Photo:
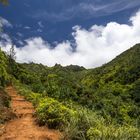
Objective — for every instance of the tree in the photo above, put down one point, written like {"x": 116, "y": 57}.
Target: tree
{"x": 136, "y": 91}
{"x": 12, "y": 54}
{"x": 11, "y": 59}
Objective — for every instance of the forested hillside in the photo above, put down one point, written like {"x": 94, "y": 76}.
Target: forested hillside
{"x": 91, "y": 104}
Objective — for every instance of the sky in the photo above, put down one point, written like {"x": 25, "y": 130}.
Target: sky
{"x": 87, "y": 33}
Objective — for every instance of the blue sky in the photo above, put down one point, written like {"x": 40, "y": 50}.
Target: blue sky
{"x": 52, "y": 22}
{"x": 53, "y": 19}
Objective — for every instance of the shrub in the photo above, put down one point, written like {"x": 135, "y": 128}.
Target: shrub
{"x": 52, "y": 113}
{"x": 112, "y": 132}
{"x": 29, "y": 95}
{"x": 35, "y": 98}
{"x": 37, "y": 87}
{"x": 5, "y": 111}
{"x": 80, "y": 123}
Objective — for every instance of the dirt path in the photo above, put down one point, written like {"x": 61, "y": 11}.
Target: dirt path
{"x": 24, "y": 127}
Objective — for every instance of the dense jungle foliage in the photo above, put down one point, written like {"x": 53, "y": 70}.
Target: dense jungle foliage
{"x": 86, "y": 104}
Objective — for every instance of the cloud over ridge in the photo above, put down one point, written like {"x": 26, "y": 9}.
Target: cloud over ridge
{"x": 94, "y": 47}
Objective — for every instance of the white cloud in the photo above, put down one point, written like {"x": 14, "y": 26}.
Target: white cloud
{"x": 27, "y": 27}
{"x": 40, "y": 24}
{"x": 39, "y": 30}
{"x": 4, "y": 38}
{"x": 19, "y": 34}
{"x": 94, "y": 47}
{"x": 4, "y": 22}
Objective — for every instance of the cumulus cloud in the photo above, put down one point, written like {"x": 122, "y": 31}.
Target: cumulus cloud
{"x": 93, "y": 47}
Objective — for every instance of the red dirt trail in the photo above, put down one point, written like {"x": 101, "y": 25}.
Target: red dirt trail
{"x": 24, "y": 126}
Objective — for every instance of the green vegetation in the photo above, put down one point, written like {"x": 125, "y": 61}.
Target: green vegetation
{"x": 75, "y": 121}
{"x": 53, "y": 113}
{"x": 94, "y": 104}
{"x": 3, "y": 69}
{"x": 5, "y": 112}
